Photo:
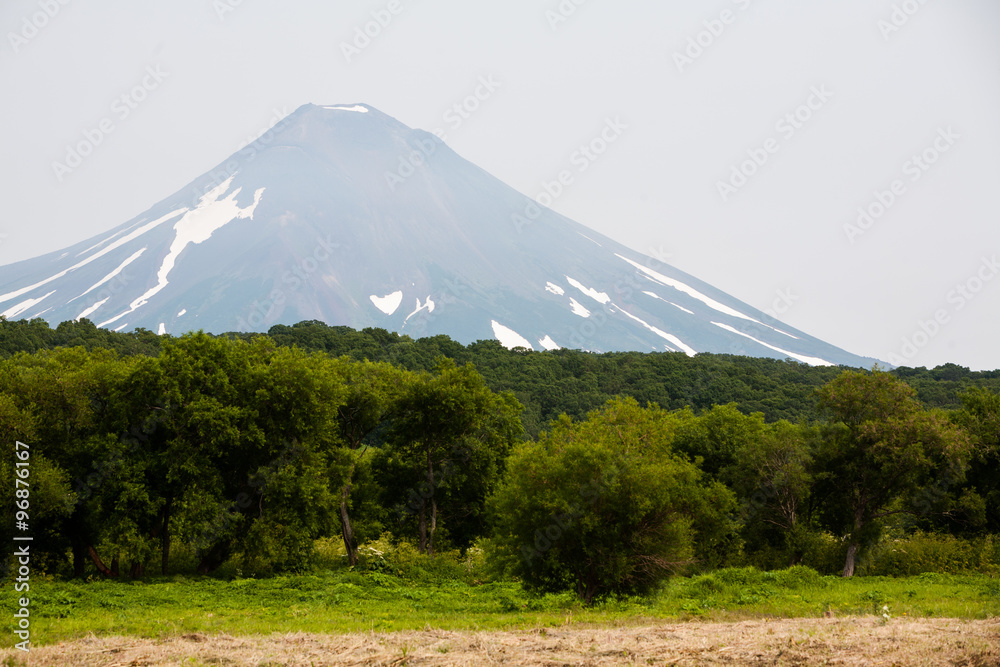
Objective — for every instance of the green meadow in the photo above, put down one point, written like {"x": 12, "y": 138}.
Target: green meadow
{"x": 337, "y": 601}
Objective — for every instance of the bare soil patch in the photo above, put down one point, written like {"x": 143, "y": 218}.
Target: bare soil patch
{"x": 829, "y": 641}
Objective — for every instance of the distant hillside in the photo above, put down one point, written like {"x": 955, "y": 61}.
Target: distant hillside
{"x": 550, "y": 383}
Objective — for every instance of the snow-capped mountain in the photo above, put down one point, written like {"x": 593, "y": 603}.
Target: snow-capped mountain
{"x": 345, "y": 215}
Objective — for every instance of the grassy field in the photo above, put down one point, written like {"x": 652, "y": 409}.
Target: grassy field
{"x": 342, "y": 601}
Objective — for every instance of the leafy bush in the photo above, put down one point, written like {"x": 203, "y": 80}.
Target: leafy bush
{"x": 741, "y": 587}
{"x": 272, "y": 548}
{"x": 401, "y": 558}
{"x": 928, "y": 552}
{"x": 607, "y": 506}
{"x": 800, "y": 576}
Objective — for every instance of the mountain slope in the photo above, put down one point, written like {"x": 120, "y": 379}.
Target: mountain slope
{"x": 327, "y": 218}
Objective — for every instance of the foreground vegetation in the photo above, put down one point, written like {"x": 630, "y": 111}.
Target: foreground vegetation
{"x": 341, "y": 601}
{"x": 325, "y": 491}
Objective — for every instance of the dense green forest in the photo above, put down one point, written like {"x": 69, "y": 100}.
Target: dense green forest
{"x": 597, "y": 472}
{"x": 549, "y": 384}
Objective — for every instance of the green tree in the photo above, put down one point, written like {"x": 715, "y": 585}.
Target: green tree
{"x": 717, "y": 436}
{"x": 372, "y": 395}
{"x": 73, "y": 397}
{"x": 980, "y": 417}
{"x": 882, "y": 448}
{"x": 44, "y": 488}
{"x": 772, "y": 476}
{"x": 606, "y": 505}
{"x": 250, "y": 429}
{"x": 446, "y": 447}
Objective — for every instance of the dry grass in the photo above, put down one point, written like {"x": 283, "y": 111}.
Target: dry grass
{"x": 831, "y": 641}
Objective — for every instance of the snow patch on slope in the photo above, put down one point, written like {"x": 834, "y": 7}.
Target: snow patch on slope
{"x": 197, "y": 226}
{"x": 508, "y": 337}
{"x": 357, "y": 108}
{"x": 781, "y": 332}
{"x": 390, "y": 303}
{"x": 24, "y": 305}
{"x": 100, "y": 243}
{"x": 657, "y": 296}
{"x": 672, "y": 339}
{"x": 812, "y": 361}
{"x": 91, "y": 309}
{"x": 549, "y": 344}
{"x": 111, "y": 275}
{"x": 428, "y": 306}
{"x": 555, "y": 289}
{"x": 577, "y": 308}
{"x": 600, "y": 297}
{"x": 690, "y": 291}
{"x": 117, "y": 244}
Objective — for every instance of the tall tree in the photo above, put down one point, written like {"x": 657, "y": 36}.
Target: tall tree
{"x": 372, "y": 394}
{"x": 451, "y": 434}
{"x": 980, "y": 416}
{"x": 250, "y": 428}
{"x": 717, "y": 435}
{"x": 75, "y": 399}
{"x": 772, "y": 476}
{"x": 882, "y": 447}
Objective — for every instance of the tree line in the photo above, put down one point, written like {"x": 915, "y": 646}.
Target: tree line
{"x": 549, "y": 384}
{"x": 248, "y": 448}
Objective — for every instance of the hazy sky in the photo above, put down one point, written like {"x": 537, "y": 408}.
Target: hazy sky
{"x": 754, "y": 131}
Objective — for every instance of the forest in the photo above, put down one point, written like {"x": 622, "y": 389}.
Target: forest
{"x": 597, "y": 473}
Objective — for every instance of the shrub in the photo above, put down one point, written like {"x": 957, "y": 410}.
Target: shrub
{"x": 929, "y": 552}
{"x": 606, "y": 506}
{"x": 401, "y": 558}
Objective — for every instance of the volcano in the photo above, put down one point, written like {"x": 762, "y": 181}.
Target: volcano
{"x": 343, "y": 214}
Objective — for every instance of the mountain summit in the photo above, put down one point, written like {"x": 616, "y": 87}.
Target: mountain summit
{"x": 345, "y": 215}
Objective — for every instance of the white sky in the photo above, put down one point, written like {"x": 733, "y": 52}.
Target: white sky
{"x": 655, "y": 189}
